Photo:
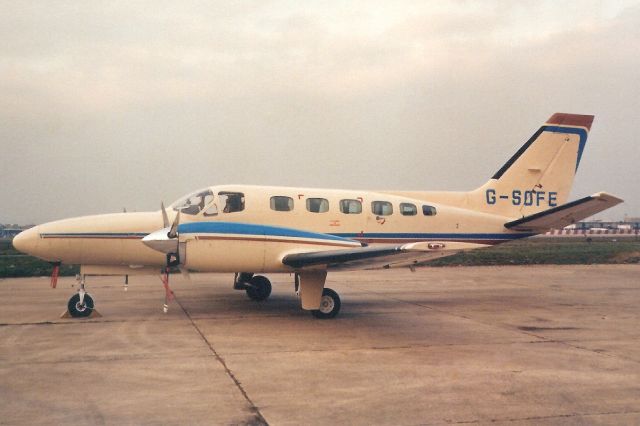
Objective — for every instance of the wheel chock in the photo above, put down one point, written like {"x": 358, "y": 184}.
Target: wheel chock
{"x": 94, "y": 314}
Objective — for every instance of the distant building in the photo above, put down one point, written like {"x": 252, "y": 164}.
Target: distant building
{"x": 598, "y": 227}
{"x": 601, "y": 225}
{"x": 10, "y": 231}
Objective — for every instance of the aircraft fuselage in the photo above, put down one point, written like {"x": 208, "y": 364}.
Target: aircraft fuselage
{"x": 362, "y": 216}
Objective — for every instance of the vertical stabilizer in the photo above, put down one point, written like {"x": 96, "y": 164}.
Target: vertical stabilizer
{"x": 540, "y": 174}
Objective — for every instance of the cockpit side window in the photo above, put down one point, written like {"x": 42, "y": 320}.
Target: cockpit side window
{"x": 212, "y": 210}
{"x": 232, "y": 201}
{"x": 194, "y": 203}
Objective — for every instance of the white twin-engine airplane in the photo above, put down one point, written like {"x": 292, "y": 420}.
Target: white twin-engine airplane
{"x": 307, "y": 231}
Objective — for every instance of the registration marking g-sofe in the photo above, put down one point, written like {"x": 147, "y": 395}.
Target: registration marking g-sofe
{"x": 519, "y": 197}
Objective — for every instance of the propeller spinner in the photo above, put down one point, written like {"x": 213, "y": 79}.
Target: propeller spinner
{"x": 164, "y": 240}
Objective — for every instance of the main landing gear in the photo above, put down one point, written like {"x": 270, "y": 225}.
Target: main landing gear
{"x": 257, "y": 287}
{"x": 329, "y": 305}
{"x": 324, "y": 303}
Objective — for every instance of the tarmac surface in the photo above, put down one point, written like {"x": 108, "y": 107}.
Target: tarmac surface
{"x": 478, "y": 345}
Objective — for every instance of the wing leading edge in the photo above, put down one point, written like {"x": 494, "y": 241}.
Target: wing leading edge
{"x": 566, "y": 214}
{"x": 376, "y": 257}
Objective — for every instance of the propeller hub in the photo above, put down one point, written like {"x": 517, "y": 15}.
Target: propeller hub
{"x": 160, "y": 241}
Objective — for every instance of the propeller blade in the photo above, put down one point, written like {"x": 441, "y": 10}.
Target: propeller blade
{"x": 173, "y": 232}
{"x": 165, "y": 218}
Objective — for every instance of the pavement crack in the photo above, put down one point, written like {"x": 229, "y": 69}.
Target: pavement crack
{"x": 259, "y": 418}
{"x": 549, "y": 417}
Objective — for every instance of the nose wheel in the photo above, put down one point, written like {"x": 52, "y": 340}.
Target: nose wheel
{"x": 80, "y": 308}
{"x": 80, "y": 305}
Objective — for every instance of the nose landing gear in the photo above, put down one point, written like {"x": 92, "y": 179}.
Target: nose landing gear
{"x": 81, "y": 304}
{"x": 80, "y": 307}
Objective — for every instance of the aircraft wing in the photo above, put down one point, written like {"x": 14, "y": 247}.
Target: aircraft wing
{"x": 566, "y": 214}
{"x": 384, "y": 256}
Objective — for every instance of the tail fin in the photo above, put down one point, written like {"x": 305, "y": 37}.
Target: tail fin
{"x": 540, "y": 175}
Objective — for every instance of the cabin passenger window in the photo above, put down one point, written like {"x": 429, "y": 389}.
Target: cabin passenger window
{"x": 408, "y": 209}
{"x": 381, "y": 208}
{"x": 317, "y": 205}
{"x": 281, "y": 204}
{"x": 429, "y": 210}
{"x": 350, "y": 206}
{"x": 232, "y": 201}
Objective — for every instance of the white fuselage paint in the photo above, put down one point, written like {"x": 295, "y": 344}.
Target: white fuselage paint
{"x": 115, "y": 239}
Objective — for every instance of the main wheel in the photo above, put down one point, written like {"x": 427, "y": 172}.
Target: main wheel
{"x": 258, "y": 288}
{"x": 329, "y": 305}
{"x": 78, "y": 310}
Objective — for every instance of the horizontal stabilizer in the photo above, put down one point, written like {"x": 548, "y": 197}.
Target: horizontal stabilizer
{"x": 566, "y": 214}
{"x": 376, "y": 257}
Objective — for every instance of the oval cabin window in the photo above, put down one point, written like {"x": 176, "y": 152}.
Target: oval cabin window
{"x": 429, "y": 210}
{"x": 408, "y": 209}
{"x": 317, "y": 205}
{"x": 381, "y": 208}
{"x": 281, "y": 204}
{"x": 350, "y": 206}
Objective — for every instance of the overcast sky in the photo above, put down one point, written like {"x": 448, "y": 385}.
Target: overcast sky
{"x": 105, "y": 105}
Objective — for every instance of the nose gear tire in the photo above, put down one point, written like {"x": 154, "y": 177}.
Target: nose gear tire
{"x": 77, "y": 310}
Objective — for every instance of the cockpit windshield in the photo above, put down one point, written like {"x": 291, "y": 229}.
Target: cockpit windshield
{"x": 194, "y": 203}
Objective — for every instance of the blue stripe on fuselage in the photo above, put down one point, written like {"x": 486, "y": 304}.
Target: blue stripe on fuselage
{"x": 253, "y": 229}
{"x": 436, "y": 236}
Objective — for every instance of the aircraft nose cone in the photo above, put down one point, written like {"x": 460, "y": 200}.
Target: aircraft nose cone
{"x": 26, "y": 241}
